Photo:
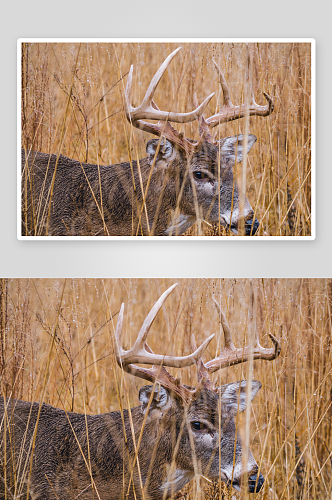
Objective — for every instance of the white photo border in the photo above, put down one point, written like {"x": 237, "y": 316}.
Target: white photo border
{"x": 312, "y": 41}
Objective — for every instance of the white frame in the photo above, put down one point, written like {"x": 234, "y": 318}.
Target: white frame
{"x": 312, "y": 41}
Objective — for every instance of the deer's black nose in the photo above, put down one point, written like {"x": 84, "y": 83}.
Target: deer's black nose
{"x": 255, "y": 484}
{"x": 251, "y": 227}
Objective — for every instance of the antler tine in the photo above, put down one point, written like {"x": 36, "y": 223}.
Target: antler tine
{"x": 224, "y": 86}
{"x": 157, "y": 77}
{"x": 232, "y": 356}
{"x": 225, "y": 326}
{"x": 118, "y": 333}
{"x": 128, "y": 91}
{"x": 143, "y": 333}
{"x": 202, "y": 372}
{"x": 270, "y": 103}
{"x": 151, "y": 88}
{"x": 204, "y": 130}
{"x": 277, "y": 346}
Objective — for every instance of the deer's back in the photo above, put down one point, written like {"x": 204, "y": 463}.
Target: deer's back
{"x": 61, "y": 451}
{"x": 86, "y": 199}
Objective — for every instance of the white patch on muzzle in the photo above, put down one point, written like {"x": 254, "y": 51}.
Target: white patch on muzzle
{"x": 234, "y": 217}
{"x": 180, "y": 225}
{"x": 239, "y": 470}
{"x": 177, "y": 480}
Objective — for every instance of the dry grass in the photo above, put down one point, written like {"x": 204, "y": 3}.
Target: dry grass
{"x": 278, "y": 177}
{"x": 290, "y": 427}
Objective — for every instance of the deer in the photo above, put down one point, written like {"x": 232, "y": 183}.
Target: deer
{"x": 147, "y": 452}
{"x": 181, "y": 181}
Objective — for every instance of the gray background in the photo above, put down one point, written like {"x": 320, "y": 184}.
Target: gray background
{"x": 174, "y": 18}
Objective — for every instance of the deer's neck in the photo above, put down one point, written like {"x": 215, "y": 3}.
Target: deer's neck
{"x": 139, "y": 199}
{"x": 164, "y": 201}
{"x": 161, "y": 475}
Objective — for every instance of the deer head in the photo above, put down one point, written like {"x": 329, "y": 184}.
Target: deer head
{"x": 203, "y": 169}
{"x": 203, "y": 418}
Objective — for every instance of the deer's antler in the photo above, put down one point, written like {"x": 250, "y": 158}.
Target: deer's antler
{"x": 149, "y": 110}
{"x": 141, "y": 353}
{"x": 232, "y": 356}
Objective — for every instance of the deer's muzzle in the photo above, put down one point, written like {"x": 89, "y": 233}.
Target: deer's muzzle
{"x": 255, "y": 484}
{"x": 251, "y": 225}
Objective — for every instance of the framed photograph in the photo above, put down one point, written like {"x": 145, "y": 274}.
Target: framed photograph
{"x": 165, "y": 388}
{"x": 149, "y": 138}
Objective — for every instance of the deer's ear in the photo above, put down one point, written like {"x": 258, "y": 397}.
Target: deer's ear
{"x": 231, "y": 148}
{"x": 165, "y": 153}
{"x": 161, "y": 399}
{"x": 234, "y": 395}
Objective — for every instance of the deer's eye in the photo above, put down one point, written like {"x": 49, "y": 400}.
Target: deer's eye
{"x": 198, "y": 426}
{"x": 199, "y": 175}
